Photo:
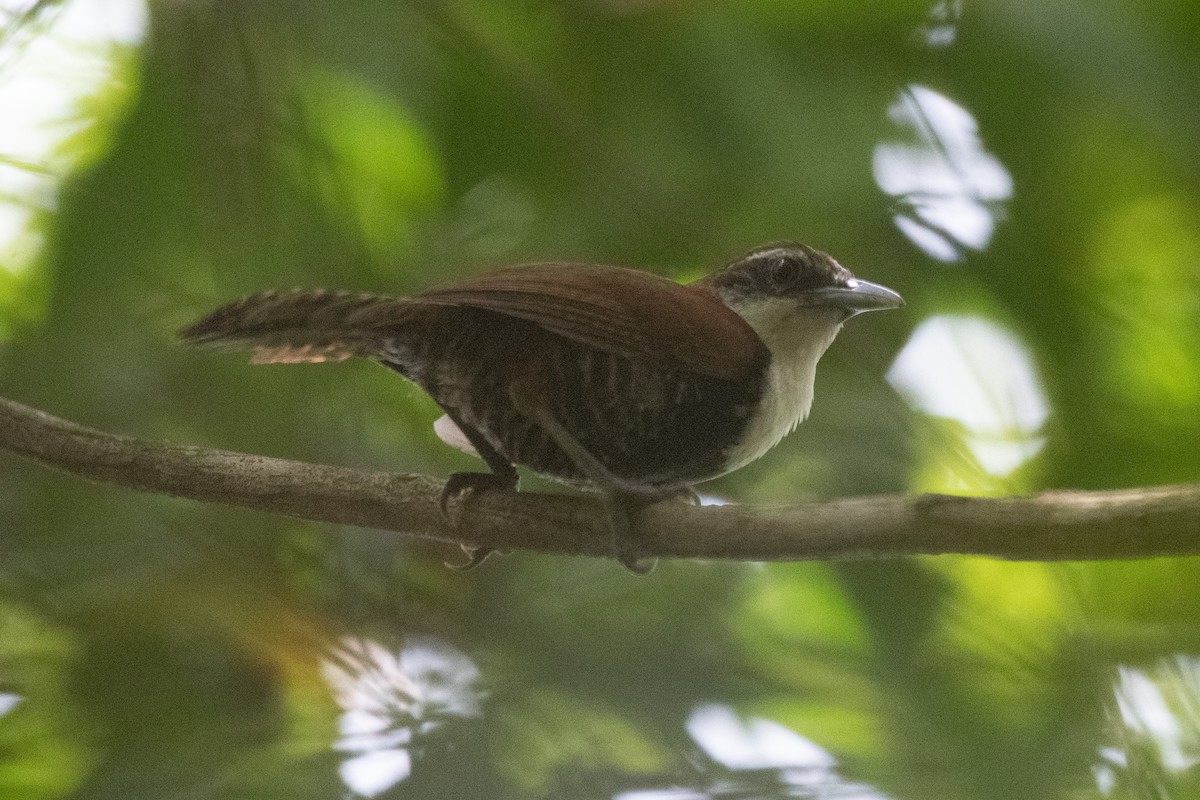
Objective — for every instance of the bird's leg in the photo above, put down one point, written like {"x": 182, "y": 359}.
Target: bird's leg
{"x": 503, "y": 476}
{"x": 622, "y": 500}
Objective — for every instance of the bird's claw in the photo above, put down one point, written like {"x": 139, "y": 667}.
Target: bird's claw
{"x": 626, "y": 544}
{"x": 687, "y": 494}
{"x": 460, "y": 482}
{"x": 475, "y": 557}
{"x": 635, "y": 563}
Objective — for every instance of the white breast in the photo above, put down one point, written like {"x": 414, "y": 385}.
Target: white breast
{"x": 797, "y": 338}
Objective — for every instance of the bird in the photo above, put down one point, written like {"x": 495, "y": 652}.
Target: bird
{"x": 605, "y": 378}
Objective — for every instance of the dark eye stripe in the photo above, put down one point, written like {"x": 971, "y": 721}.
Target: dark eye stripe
{"x": 786, "y": 272}
{"x": 781, "y": 269}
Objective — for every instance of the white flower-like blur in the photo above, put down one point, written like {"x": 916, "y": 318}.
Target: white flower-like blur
{"x": 760, "y": 758}
{"x": 949, "y": 191}
{"x": 941, "y": 24}
{"x": 391, "y": 701}
{"x": 1154, "y": 726}
{"x": 47, "y": 69}
{"x": 978, "y": 373}
{"x": 8, "y": 702}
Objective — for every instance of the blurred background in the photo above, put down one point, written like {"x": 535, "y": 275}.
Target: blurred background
{"x": 1027, "y": 175}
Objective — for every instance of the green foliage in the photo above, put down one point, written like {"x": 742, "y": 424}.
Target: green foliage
{"x": 161, "y": 648}
{"x": 44, "y": 755}
{"x": 368, "y": 161}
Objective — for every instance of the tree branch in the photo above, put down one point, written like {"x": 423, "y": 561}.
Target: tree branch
{"x": 1131, "y": 523}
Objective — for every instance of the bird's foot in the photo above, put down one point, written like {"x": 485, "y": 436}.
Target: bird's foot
{"x": 627, "y": 545}
{"x": 460, "y": 482}
{"x": 475, "y": 557}
{"x": 635, "y": 563}
{"x": 457, "y": 484}
{"x": 685, "y": 494}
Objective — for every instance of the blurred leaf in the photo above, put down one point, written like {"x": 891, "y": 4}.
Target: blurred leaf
{"x": 370, "y": 160}
{"x": 44, "y": 753}
{"x": 539, "y": 734}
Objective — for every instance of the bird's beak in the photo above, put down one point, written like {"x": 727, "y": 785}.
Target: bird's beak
{"x": 857, "y": 296}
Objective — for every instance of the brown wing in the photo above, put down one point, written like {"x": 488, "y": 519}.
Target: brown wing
{"x": 620, "y": 311}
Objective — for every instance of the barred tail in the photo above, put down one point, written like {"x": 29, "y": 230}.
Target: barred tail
{"x": 302, "y": 326}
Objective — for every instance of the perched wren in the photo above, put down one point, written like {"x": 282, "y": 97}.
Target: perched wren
{"x": 603, "y": 377}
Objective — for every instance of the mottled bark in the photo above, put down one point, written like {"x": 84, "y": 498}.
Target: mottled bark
{"x": 1129, "y": 523}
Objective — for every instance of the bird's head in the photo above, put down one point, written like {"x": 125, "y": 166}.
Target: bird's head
{"x": 801, "y": 277}
{"x": 795, "y": 297}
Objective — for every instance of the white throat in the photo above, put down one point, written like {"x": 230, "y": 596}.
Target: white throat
{"x": 797, "y": 337}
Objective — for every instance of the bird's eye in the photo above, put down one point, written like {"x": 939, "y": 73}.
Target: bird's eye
{"x": 784, "y": 273}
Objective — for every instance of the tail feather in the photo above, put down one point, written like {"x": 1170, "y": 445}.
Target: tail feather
{"x": 302, "y": 326}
